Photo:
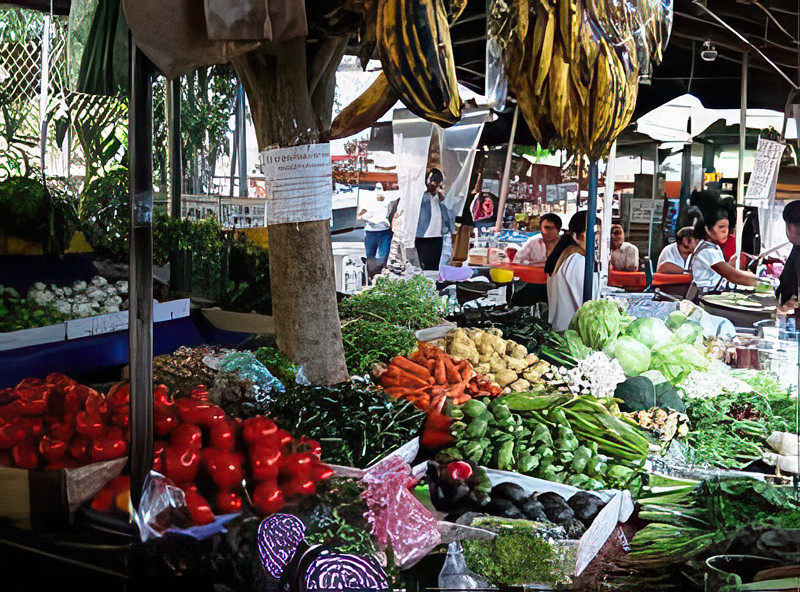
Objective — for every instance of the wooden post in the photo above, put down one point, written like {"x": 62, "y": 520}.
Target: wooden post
{"x": 174, "y": 145}
{"x": 140, "y": 313}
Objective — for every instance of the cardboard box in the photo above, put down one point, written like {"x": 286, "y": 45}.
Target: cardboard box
{"x": 48, "y": 499}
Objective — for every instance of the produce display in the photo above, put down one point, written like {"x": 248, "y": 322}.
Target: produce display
{"x": 429, "y": 377}
{"x": 506, "y": 363}
{"x": 56, "y": 423}
{"x": 367, "y": 343}
{"x": 412, "y": 303}
{"x": 357, "y": 423}
{"x": 44, "y": 305}
{"x": 185, "y": 368}
{"x": 662, "y": 424}
{"x": 561, "y": 438}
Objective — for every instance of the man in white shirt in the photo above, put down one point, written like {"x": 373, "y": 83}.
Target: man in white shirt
{"x": 624, "y": 255}
{"x": 674, "y": 257}
{"x": 535, "y": 251}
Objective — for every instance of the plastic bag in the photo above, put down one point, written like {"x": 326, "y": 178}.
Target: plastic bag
{"x": 162, "y": 506}
{"x": 455, "y": 574}
{"x": 396, "y": 516}
{"x": 244, "y": 387}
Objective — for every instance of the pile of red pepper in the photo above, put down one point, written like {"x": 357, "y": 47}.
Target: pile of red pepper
{"x": 197, "y": 440}
{"x": 56, "y": 423}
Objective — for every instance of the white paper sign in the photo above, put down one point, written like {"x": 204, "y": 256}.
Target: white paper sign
{"x": 618, "y": 510}
{"x": 299, "y": 183}
{"x": 765, "y": 169}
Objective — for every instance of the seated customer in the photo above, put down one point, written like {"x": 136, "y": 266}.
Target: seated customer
{"x": 624, "y": 256}
{"x": 674, "y": 257}
{"x": 536, "y": 250}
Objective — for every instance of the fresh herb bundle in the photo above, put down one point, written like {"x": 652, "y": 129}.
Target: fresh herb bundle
{"x": 18, "y": 313}
{"x": 412, "y": 303}
{"x": 356, "y": 423}
{"x": 335, "y": 517}
{"x": 730, "y": 430}
{"x": 367, "y": 342}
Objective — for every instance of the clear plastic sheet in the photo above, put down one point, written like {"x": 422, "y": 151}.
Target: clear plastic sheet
{"x": 496, "y": 83}
{"x": 244, "y": 386}
{"x": 455, "y": 574}
{"x": 163, "y": 505}
{"x": 396, "y": 516}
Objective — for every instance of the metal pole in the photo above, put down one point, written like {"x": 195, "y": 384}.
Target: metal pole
{"x": 591, "y": 220}
{"x": 653, "y": 194}
{"x": 242, "y": 148}
{"x": 140, "y": 314}
{"x": 608, "y": 205}
{"x": 501, "y": 205}
{"x": 742, "y": 142}
{"x": 174, "y": 144}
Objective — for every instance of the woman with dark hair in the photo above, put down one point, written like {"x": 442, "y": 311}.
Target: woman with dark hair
{"x": 710, "y": 271}
{"x": 565, "y": 267}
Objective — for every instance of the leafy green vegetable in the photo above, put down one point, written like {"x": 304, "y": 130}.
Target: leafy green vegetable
{"x": 523, "y": 553}
{"x": 675, "y": 320}
{"x": 676, "y": 361}
{"x": 576, "y": 347}
{"x": 640, "y": 394}
{"x": 17, "y": 313}
{"x": 367, "y": 342}
{"x": 690, "y": 332}
{"x": 633, "y": 356}
{"x": 598, "y": 322}
{"x": 412, "y": 303}
{"x": 650, "y": 331}
{"x": 730, "y": 430}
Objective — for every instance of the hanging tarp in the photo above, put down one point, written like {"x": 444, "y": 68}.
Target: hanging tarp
{"x": 174, "y": 35}
{"x": 255, "y": 20}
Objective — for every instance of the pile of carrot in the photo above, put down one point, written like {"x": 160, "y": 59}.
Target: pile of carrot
{"x": 429, "y": 376}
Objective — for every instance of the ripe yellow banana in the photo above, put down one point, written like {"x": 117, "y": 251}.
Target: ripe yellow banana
{"x": 365, "y": 110}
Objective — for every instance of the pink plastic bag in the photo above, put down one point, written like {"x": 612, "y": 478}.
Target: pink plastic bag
{"x": 397, "y": 517}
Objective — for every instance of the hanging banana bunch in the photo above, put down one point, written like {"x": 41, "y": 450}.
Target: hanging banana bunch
{"x": 413, "y": 39}
{"x": 574, "y": 65}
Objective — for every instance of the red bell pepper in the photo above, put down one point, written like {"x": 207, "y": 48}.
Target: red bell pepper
{"x": 80, "y": 449}
{"x": 224, "y": 467}
{"x": 89, "y": 425}
{"x": 165, "y": 419}
{"x": 122, "y": 416}
{"x": 267, "y": 497}
{"x": 223, "y": 435}
{"x": 192, "y": 411}
{"x": 257, "y": 429}
{"x": 181, "y": 464}
{"x": 109, "y": 446}
{"x": 228, "y": 503}
{"x": 158, "y": 456}
{"x": 119, "y": 395}
{"x": 25, "y": 456}
{"x": 95, "y": 404}
{"x": 265, "y": 462}
{"x": 52, "y": 449}
{"x": 103, "y": 501}
{"x": 187, "y": 436}
{"x": 198, "y": 507}
{"x": 63, "y": 430}
{"x": 200, "y": 393}
{"x": 308, "y": 445}
{"x": 161, "y": 396}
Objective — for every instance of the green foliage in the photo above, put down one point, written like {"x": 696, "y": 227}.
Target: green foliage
{"x": 18, "y": 313}
{"x": 248, "y": 281}
{"x": 730, "y": 430}
{"x": 203, "y": 238}
{"x": 279, "y": 365}
{"x": 521, "y": 554}
{"x": 105, "y": 214}
{"x": 35, "y": 212}
{"x": 412, "y": 303}
{"x": 367, "y": 342}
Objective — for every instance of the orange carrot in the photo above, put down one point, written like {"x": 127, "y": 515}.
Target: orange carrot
{"x": 404, "y": 391}
{"x": 411, "y": 367}
{"x": 440, "y": 374}
{"x": 452, "y": 373}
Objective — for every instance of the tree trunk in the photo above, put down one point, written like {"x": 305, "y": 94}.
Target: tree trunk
{"x": 290, "y": 88}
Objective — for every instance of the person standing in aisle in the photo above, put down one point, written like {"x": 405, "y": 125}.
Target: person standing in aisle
{"x": 377, "y": 230}
{"x": 536, "y": 250}
{"x": 624, "y": 255}
{"x": 789, "y": 286}
{"x": 674, "y": 257}
{"x": 566, "y": 268}
{"x": 435, "y": 221}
